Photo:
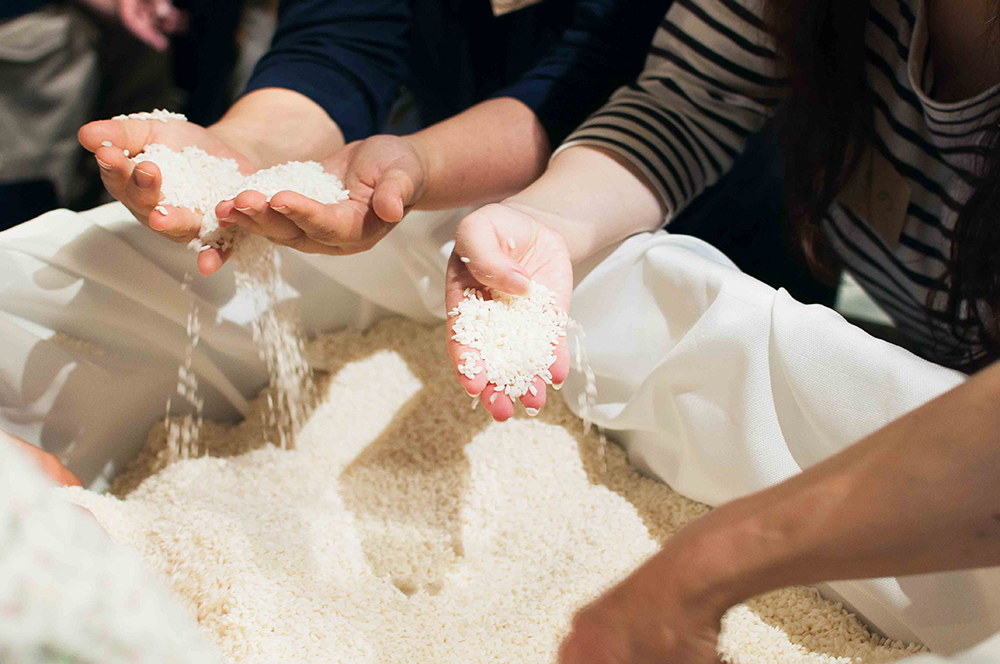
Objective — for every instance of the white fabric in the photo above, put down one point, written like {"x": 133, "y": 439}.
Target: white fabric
{"x": 721, "y": 386}
{"x": 716, "y": 383}
{"x": 101, "y": 277}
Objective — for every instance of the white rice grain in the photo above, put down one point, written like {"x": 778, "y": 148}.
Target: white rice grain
{"x": 162, "y": 115}
{"x": 404, "y": 528}
{"x": 516, "y": 336}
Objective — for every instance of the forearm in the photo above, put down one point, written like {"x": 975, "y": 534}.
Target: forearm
{"x": 274, "y": 125}
{"x": 593, "y": 199}
{"x": 917, "y": 496}
{"x": 481, "y": 155}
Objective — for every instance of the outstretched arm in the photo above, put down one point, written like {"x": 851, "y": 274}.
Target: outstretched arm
{"x": 481, "y": 155}
{"x": 333, "y": 72}
{"x": 919, "y": 495}
{"x": 654, "y": 147}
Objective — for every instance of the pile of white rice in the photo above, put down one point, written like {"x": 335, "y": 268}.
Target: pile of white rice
{"x": 192, "y": 178}
{"x": 198, "y": 181}
{"x": 68, "y": 595}
{"x": 405, "y": 527}
{"x": 159, "y": 114}
{"x": 514, "y": 337}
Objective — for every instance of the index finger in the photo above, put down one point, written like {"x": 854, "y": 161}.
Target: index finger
{"x": 131, "y": 135}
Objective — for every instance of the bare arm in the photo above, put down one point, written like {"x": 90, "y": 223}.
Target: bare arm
{"x": 592, "y": 198}
{"x": 483, "y": 154}
{"x": 920, "y": 495}
{"x": 274, "y": 125}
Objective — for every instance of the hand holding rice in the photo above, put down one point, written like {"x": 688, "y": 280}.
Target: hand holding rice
{"x": 508, "y": 289}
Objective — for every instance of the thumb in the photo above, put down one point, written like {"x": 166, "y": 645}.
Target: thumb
{"x": 487, "y": 256}
{"x": 393, "y": 193}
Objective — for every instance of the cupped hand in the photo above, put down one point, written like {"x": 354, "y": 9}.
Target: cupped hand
{"x": 138, "y": 186}
{"x": 385, "y": 176}
{"x": 649, "y": 618}
{"x": 538, "y": 254}
{"x": 46, "y": 462}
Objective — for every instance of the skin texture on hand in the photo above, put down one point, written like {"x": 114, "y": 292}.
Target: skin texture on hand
{"x": 138, "y": 186}
{"x": 46, "y": 462}
{"x": 384, "y": 175}
{"x": 486, "y": 152}
{"x": 539, "y": 254}
{"x": 584, "y": 201}
{"x": 263, "y": 128}
{"x": 643, "y": 620}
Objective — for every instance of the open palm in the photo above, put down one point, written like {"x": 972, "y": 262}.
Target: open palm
{"x": 384, "y": 176}
{"x": 506, "y": 248}
{"x": 138, "y": 187}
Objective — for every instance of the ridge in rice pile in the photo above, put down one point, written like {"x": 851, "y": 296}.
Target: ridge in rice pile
{"x": 404, "y": 527}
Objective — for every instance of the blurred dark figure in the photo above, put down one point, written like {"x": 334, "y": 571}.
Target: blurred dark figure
{"x": 64, "y": 63}
{"x": 204, "y": 57}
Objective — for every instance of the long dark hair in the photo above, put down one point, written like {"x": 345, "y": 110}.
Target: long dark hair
{"x": 828, "y": 124}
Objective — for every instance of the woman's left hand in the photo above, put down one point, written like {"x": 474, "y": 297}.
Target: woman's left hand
{"x": 652, "y": 617}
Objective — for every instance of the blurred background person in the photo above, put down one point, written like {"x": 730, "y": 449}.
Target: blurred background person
{"x": 64, "y": 63}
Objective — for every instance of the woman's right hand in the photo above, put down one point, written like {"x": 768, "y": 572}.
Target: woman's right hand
{"x": 46, "y": 462}
{"x": 538, "y": 254}
{"x": 138, "y": 186}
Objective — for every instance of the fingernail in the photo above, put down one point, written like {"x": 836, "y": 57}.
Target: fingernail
{"x": 532, "y": 412}
{"x": 280, "y": 208}
{"x": 244, "y": 210}
{"x": 143, "y": 179}
{"x": 224, "y": 222}
{"x": 103, "y": 165}
{"x": 557, "y": 386}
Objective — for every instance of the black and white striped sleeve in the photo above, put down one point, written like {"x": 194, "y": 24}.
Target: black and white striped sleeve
{"x": 711, "y": 80}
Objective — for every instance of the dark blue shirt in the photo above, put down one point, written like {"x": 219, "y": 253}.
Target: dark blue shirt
{"x": 562, "y": 58}
{"x": 12, "y": 8}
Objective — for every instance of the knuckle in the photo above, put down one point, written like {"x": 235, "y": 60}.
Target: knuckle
{"x": 324, "y": 235}
{"x": 294, "y": 242}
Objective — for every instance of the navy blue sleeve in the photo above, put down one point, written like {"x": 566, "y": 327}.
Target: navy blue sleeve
{"x": 603, "y": 48}
{"x": 349, "y": 56}
{"x": 12, "y": 8}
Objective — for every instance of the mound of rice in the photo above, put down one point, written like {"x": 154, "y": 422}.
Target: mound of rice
{"x": 196, "y": 180}
{"x": 405, "y": 527}
{"x": 513, "y": 337}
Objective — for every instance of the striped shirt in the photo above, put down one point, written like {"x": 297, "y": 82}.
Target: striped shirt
{"x": 712, "y": 79}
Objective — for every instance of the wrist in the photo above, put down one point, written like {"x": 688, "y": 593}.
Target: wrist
{"x": 242, "y": 140}
{"x": 274, "y": 125}
{"x": 707, "y": 569}
{"x": 577, "y": 234}
{"x": 429, "y": 161}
